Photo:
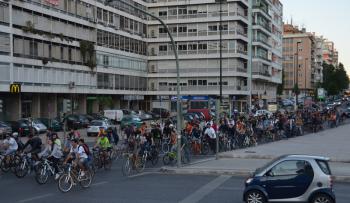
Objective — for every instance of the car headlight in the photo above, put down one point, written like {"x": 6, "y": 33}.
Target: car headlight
{"x": 249, "y": 180}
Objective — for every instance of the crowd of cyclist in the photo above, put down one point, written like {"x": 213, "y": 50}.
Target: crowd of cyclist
{"x": 198, "y": 138}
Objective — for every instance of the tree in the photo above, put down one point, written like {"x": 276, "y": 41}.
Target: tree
{"x": 335, "y": 79}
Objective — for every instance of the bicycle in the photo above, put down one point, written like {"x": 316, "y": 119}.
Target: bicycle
{"x": 10, "y": 162}
{"x": 102, "y": 158}
{"x": 72, "y": 176}
{"x": 165, "y": 145}
{"x": 25, "y": 166}
{"x": 131, "y": 163}
{"x": 171, "y": 157}
{"x": 44, "y": 169}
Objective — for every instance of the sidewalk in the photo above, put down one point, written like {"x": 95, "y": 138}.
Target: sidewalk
{"x": 333, "y": 143}
{"x": 243, "y": 167}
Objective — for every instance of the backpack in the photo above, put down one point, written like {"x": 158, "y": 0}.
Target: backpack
{"x": 86, "y": 149}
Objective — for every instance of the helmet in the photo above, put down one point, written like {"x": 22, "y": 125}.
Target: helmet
{"x": 171, "y": 126}
{"x": 15, "y": 134}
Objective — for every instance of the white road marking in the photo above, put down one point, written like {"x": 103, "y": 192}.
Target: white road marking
{"x": 206, "y": 189}
{"x": 231, "y": 188}
{"x": 99, "y": 183}
{"x": 35, "y": 198}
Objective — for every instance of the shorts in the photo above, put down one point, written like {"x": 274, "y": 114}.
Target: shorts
{"x": 84, "y": 161}
{"x": 10, "y": 151}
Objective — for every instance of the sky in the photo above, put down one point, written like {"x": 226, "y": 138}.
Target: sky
{"x": 324, "y": 17}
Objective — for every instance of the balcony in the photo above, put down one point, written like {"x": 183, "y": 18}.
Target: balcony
{"x": 203, "y": 15}
{"x": 263, "y": 41}
{"x": 203, "y": 33}
{"x": 203, "y": 88}
{"x": 202, "y": 70}
{"x": 196, "y": 52}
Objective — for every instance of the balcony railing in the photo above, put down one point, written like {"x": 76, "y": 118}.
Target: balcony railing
{"x": 203, "y": 70}
{"x": 203, "y": 88}
{"x": 203, "y": 15}
{"x": 194, "y": 52}
{"x": 202, "y": 33}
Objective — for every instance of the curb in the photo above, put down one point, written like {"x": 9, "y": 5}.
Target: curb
{"x": 237, "y": 173}
{"x": 233, "y": 156}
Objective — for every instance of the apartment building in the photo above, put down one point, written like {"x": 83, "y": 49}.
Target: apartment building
{"x": 330, "y": 54}
{"x": 267, "y": 49}
{"x": 195, "y": 27}
{"x": 302, "y": 63}
{"x": 67, "y": 55}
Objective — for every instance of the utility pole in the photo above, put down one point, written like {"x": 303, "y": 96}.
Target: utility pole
{"x": 250, "y": 53}
{"x": 296, "y": 84}
{"x": 305, "y": 74}
{"x": 179, "y": 112}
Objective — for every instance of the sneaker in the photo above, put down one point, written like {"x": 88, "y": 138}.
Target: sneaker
{"x": 57, "y": 176}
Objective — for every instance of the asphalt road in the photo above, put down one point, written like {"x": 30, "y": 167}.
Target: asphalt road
{"x": 148, "y": 187}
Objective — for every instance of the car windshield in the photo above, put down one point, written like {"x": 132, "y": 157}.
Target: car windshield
{"x": 268, "y": 164}
{"x": 96, "y": 123}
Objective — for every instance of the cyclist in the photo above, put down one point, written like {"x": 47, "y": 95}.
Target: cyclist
{"x": 103, "y": 144}
{"x": 156, "y": 134}
{"x": 10, "y": 145}
{"x": 210, "y": 132}
{"x": 35, "y": 144}
{"x": 78, "y": 154}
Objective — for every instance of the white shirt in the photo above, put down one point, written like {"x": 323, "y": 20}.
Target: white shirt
{"x": 11, "y": 143}
{"x": 210, "y": 132}
{"x": 80, "y": 151}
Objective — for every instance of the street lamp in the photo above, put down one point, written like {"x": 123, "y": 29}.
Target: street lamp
{"x": 178, "y": 117}
{"x": 305, "y": 74}
{"x": 296, "y": 72}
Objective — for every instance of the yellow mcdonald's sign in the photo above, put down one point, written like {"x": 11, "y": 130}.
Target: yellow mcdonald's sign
{"x": 15, "y": 88}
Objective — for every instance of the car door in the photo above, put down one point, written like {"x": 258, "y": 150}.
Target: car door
{"x": 286, "y": 180}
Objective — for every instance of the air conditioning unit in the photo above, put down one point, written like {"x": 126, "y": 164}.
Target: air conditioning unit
{"x": 71, "y": 85}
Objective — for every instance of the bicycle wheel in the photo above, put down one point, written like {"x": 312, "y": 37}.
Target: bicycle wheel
{"x": 165, "y": 147}
{"x": 16, "y": 161}
{"x": 107, "y": 163}
{"x": 205, "y": 149}
{"x": 65, "y": 183}
{"x": 42, "y": 175}
{"x": 155, "y": 157}
{"x": 22, "y": 169}
{"x": 166, "y": 159}
{"x": 126, "y": 169}
{"x": 141, "y": 164}
{"x": 5, "y": 166}
{"x": 85, "y": 181}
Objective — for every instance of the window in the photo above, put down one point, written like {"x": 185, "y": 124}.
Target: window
{"x": 212, "y": 27}
{"x": 182, "y": 29}
{"x": 202, "y": 82}
{"x": 172, "y": 12}
{"x": 182, "y": 47}
{"x": 70, "y": 54}
{"x": 182, "y": 11}
{"x": 199, "y": 104}
{"x": 111, "y": 21}
{"x": 163, "y": 84}
{"x": 62, "y": 53}
{"x": 202, "y": 46}
{"x": 193, "y": 30}
{"x": 293, "y": 167}
{"x": 192, "y": 47}
{"x": 105, "y": 60}
{"x": 324, "y": 166}
{"x": 162, "y": 30}
{"x": 163, "y": 13}
{"x": 163, "y": 47}
{"x": 192, "y": 12}
{"x": 33, "y": 48}
{"x": 192, "y": 82}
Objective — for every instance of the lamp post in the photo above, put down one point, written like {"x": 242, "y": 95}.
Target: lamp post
{"x": 305, "y": 74}
{"x": 296, "y": 83}
{"x": 179, "y": 112}
{"x": 250, "y": 52}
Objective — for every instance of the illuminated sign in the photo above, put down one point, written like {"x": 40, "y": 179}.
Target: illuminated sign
{"x": 15, "y": 88}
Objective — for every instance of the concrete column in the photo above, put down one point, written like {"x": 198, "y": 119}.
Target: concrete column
{"x": 81, "y": 104}
{"x": 95, "y": 106}
{"x": 36, "y": 106}
{"x": 48, "y": 105}
{"x": 116, "y": 102}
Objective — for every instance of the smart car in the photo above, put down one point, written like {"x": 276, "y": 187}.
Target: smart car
{"x": 291, "y": 178}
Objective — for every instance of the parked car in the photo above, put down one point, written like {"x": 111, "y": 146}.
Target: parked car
{"x": 263, "y": 112}
{"x": 97, "y": 116}
{"x": 130, "y": 120}
{"x": 38, "y": 126}
{"x": 5, "y": 128}
{"x": 163, "y": 113}
{"x": 143, "y": 115}
{"x": 22, "y": 127}
{"x": 84, "y": 121}
{"x": 54, "y": 124}
{"x": 95, "y": 125}
{"x": 114, "y": 115}
{"x": 291, "y": 178}
{"x": 72, "y": 122}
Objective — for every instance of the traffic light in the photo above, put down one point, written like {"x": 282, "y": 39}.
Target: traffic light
{"x": 67, "y": 105}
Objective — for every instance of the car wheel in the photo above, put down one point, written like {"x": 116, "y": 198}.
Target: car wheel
{"x": 255, "y": 196}
{"x": 322, "y": 198}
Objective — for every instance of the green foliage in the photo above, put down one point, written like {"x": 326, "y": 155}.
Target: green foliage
{"x": 335, "y": 79}
{"x": 296, "y": 89}
{"x": 87, "y": 50}
{"x": 29, "y": 27}
{"x": 105, "y": 101}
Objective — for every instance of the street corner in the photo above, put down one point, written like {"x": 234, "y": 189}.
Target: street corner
{"x": 205, "y": 171}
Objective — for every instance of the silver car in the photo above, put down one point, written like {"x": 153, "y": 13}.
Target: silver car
{"x": 291, "y": 178}
{"x": 95, "y": 125}
{"x": 39, "y": 127}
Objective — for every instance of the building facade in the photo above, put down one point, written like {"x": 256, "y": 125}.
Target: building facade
{"x": 330, "y": 54}
{"x": 302, "y": 61}
{"x": 82, "y": 56}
